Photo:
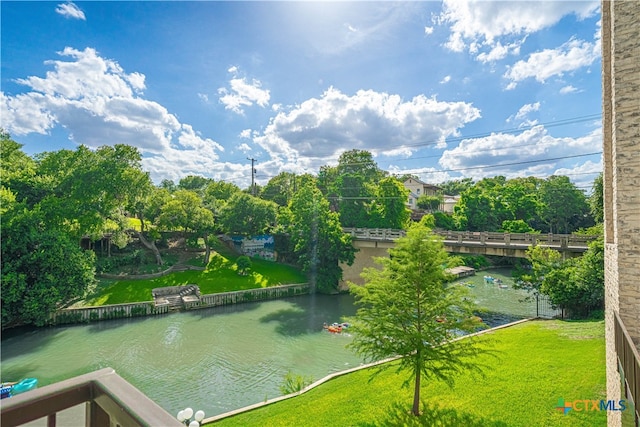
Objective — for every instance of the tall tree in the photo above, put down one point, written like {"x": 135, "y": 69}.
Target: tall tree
{"x": 563, "y": 208}
{"x": 596, "y": 200}
{"x": 317, "y": 240}
{"x": 456, "y": 187}
{"x": 355, "y": 199}
{"x": 280, "y": 188}
{"x": 43, "y": 268}
{"x": 408, "y": 309}
{"x": 390, "y": 207}
{"x": 247, "y": 215}
{"x": 194, "y": 183}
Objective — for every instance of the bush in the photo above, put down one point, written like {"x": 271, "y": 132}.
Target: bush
{"x": 294, "y": 383}
{"x": 244, "y": 264}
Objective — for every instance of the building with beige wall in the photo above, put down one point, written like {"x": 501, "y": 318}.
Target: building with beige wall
{"x": 621, "y": 154}
{"x": 418, "y": 188}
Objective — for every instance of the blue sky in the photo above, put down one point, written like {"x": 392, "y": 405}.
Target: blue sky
{"x": 443, "y": 90}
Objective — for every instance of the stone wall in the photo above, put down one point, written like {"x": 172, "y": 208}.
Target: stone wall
{"x": 621, "y": 153}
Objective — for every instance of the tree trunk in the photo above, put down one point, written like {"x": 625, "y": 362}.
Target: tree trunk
{"x": 207, "y": 252}
{"x": 149, "y": 244}
{"x": 416, "y": 394}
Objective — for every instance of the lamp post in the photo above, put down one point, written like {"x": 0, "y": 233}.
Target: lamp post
{"x": 185, "y": 415}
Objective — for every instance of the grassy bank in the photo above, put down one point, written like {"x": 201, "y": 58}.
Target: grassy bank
{"x": 220, "y": 275}
{"x": 538, "y": 363}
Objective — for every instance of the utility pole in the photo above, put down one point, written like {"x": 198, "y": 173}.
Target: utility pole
{"x": 253, "y": 176}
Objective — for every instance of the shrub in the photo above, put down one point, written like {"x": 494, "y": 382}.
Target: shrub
{"x": 294, "y": 383}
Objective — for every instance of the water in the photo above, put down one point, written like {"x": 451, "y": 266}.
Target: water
{"x": 214, "y": 359}
{"x": 501, "y": 305}
{"x": 222, "y": 358}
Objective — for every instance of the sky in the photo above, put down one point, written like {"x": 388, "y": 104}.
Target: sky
{"x": 442, "y": 90}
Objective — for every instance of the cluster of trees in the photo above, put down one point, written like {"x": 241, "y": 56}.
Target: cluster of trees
{"x": 51, "y": 201}
{"x": 551, "y": 205}
{"x": 57, "y": 198}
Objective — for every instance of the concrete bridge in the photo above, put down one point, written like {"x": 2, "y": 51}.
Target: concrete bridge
{"x": 374, "y": 242}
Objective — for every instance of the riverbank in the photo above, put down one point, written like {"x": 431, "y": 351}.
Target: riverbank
{"x": 556, "y": 359}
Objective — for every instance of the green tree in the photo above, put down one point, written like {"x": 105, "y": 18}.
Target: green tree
{"x": 596, "y": 200}
{"x": 280, "y": 188}
{"x": 247, "y": 215}
{"x": 479, "y": 210}
{"x": 408, "y": 309}
{"x": 456, "y": 187}
{"x": 316, "y": 238}
{"x": 243, "y": 263}
{"x": 355, "y": 199}
{"x": 194, "y": 183}
{"x": 390, "y": 210}
{"x": 217, "y": 194}
{"x": 577, "y": 284}
{"x": 43, "y": 268}
{"x": 430, "y": 203}
{"x": 516, "y": 226}
{"x": 563, "y": 208}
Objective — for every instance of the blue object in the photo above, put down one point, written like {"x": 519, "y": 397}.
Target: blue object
{"x": 17, "y": 388}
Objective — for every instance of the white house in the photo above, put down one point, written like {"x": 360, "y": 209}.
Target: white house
{"x": 418, "y": 188}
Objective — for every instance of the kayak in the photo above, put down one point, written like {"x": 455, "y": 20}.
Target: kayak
{"x": 10, "y": 389}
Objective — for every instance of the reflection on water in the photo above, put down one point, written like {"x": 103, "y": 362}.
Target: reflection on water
{"x": 214, "y": 359}
{"x": 217, "y": 359}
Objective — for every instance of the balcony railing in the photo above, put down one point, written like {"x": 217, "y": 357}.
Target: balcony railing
{"x": 110, "y": 401}
{"x": 628, "y": 365}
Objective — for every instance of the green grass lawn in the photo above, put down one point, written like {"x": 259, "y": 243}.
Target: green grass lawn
{"x": 537, "y": 363}
{"x": 219, "y": 276}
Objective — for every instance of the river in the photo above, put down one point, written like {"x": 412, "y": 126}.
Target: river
{"x": 217, "y": 359}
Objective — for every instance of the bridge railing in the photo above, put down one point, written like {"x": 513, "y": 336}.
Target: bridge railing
{"x": 482, "y": 237}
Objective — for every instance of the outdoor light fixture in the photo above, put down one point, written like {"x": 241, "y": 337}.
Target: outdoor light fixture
{"x": 185, "y": 415}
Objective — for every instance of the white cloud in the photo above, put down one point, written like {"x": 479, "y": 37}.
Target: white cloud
{"x": 98, "y": 103}
{"x": 477, "y": 157}
{"x": 446, "y": 79}
{"x": 70, "y": 10}
{"x": 243, "y": 93}
{"x": 568, "y": 89}
{"x": 322, "y": 128}
{"x": 204, "y": 97}
{"x": 244, "y": 147}
{"x": 479, "y": 25}
{"x": 428, "y": 30}
{"x": 526, "y": 109}
{"x": 498, "y": 52}
{"x": 547, "y": 63}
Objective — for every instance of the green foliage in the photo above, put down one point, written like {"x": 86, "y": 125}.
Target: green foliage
{"x": 408, "y": 309}
{"x": 475, "y": 261}
{"x": 294, "y": 383}
{"x": 516, "y": 226}
{"x": 596, "y": 200}
{"x": 443, "y": 221}
{"x": 576, "y": 284}
{"x": 456, "y": 187}
{"x": 390, "y": 209}
{"x": 281, "y": 187}
{"x": 317, "y": 240}
{"x": 430, "y": 203}
{"x": 42, "y": 268}
{"x": 244, "y": 264}
{"x": 247, "y": 215}
{"x": 563, "y": 207}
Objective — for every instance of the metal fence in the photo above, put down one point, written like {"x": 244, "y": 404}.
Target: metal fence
{"x": 545, "y": 309}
